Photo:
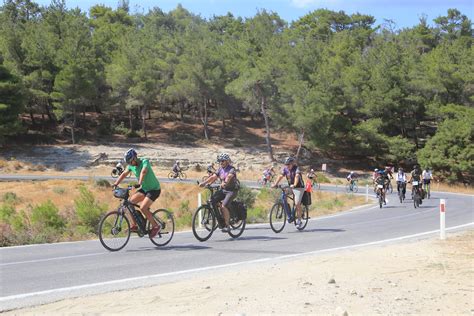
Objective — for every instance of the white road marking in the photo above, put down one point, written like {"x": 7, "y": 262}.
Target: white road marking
{"x": 161, "y": 275}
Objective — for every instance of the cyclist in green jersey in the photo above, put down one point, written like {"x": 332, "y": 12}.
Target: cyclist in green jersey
{"x": 148, "y": 186}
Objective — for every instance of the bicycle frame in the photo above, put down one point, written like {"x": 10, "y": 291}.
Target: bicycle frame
{"x": 284, "y": 199}
{"x": 217, "y": 213}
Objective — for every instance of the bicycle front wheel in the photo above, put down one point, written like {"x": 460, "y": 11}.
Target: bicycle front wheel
{"x": 277, "y": 217}
{"x": 237, "y": 228}
{"x": 114, "y": 231}
{"x": 204, "y": 223}
{"x": 348, "y": 187}
{"x": 182, "y": 176}
{"x": 304, "y": 217}
{"x": 114, "y": 173}
{"x": 355, "y": 188}
{"x": 166, "y": 220}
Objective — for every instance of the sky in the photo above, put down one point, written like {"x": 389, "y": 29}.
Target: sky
{"x": 405, "y": 13}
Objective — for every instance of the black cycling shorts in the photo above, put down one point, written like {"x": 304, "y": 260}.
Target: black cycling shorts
{"x": 225, "y": 196}
{"x": 152, "y": 195}
{"x": 426, "y": 181}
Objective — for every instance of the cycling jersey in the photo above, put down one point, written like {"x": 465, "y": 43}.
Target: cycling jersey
{"x": 401, "y": 177}
{"x": 427, "y": 175}
{"x": 415, "y": 175}
{"x": 290, "y": 175}
{"x": 267, "y": 172}
{"x": 150, "y": 182}
{"x": 222, "y": 173}
{"x": 176, "y": 168}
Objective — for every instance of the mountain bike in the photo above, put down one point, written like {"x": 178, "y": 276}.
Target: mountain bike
{"x": 208, "y": 217}
{"x": 352, "y": 187}
{"x": 114, "y": 227}
{"x": 281, "y": 210}
{"x": 416, "y": 194}
{"x": 380, "y": 194}
{"x": 177, "y": 175}
{"x": 265, "y": 182}
{"x": 401, "y": 188}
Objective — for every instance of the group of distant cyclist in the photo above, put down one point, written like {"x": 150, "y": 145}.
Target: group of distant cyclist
{"x": 420, "y": 180}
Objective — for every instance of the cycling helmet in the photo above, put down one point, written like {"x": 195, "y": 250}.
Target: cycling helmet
{"x": 352, "y": 172}
{"x": 375, "y": 170}
{"x": 223, "y": 157}
{"x": 415, "y": 167}
{"x": 312, "y": 170}
{"x": 130, "y": 155}
{"x": 289, "y": 160}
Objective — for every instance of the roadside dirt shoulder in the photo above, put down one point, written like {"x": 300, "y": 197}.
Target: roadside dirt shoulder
{"x": 429, "y": 277}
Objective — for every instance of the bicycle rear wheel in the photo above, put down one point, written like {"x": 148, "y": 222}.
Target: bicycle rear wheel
{"x": 166, "y": 220}
{"x": 304, "y": 217}
{"x": 204, "y": 223}
{"x": 277, "y": 217}
{"x": 114, "y": 230}
{"x": 237, "y": 228}
{"x": 171, "y": 175}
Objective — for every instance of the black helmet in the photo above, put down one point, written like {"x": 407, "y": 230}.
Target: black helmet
{"x": 289, "y": 160}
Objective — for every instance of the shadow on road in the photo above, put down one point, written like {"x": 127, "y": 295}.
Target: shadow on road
{"x": 261, "y": 238}
{"x": 322, "y": 230}
{"x": 169, "y": 248}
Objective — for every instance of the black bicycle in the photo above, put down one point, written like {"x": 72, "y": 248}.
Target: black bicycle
{"x": 114, "y": 227}
{"x": 281, "y": 210}
{"x": 208, "y": 218}
{"x": 416, "y": 193}
{"x": 401, "y": 187}
{"x": 381, "y": 194}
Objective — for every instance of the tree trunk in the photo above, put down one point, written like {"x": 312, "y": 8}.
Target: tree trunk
{"x": 300, "y": 143}
{"x": 73, "y": 129}
{"x": 181, "y": 111}
{"x": 204, "y": 119}
{"x": 144, "y": 110}
{"x": 130, "y": 119}
{"x": 32, "y": 116}
{"x": 263, "y": 109}
{"x": 48, "y": 112}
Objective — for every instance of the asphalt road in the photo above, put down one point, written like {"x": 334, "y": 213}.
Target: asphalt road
{"x": 39, "y": 274}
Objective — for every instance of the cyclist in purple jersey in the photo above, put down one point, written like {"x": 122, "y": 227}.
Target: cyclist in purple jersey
{"x": 229, "y": 187}
{"x": 293, "y": 174}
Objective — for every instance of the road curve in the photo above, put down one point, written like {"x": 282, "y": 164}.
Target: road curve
{"x": 44, "y": 273}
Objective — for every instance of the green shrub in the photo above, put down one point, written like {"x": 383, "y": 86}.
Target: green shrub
{"x": 10, "y": 198}
{"x": 59, "y": 190}
{"x": 6, "y": 212}
{"x": 247, "y": 196}
{"x": 321, "y": 178}
{"x": 102, "y": 183}
{"x": 184, "y": 220}
{"x": 132, "y": 134}
{"x": 120, "y": 129}
{"x": 257, "y": 214}
{"x": 184, "y": 206}
{"x": 47, "y": 215}
{"x": 88, "y": 210}
{"x": 19, "y": 222}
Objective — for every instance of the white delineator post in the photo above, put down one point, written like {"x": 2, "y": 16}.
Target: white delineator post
{"x": 442, "y": 219}
{"x": 366, "y": 193}
{"x": 200, "y": 214}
